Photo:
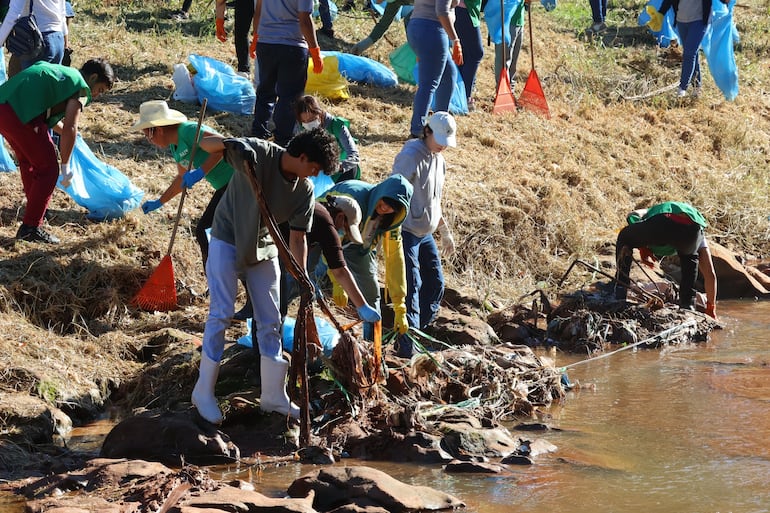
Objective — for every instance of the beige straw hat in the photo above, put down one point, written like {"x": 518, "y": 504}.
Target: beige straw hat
{"x": 156, "y": 113}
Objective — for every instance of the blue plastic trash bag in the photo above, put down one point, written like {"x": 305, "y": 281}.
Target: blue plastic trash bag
{"x": 402, "y": 13}
{"x": 102, "y": 189}
{"x": 494, "y": 19}
{"x": 6, "y": 162}
{"x": 403, "y": 61}
{"x": 333, "y": 11}
{"x": 363, "y": 69}
{"x": 321, "y": 184}
{"x": 668, "y": 32}
{"x": 225, "y": 90}
{"x": 548, "y": 5}
{"x": 718, "y": 46}
{"x": 458, "y": 103}
{"x": 327, "y": 333}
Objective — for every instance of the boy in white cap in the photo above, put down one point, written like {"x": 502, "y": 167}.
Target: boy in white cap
{"x": 422, "y": 164}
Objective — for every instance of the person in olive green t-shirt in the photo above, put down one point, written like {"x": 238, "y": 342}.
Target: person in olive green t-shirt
{"x": 169, "y": 128}
{"x": 40, "y": 97}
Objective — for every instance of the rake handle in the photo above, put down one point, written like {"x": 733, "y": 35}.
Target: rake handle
{"x": 189, "y": 167}
{"x": 531, "y": 46}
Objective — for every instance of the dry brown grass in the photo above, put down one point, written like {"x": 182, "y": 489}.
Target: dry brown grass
{"x": 525, "y": 196}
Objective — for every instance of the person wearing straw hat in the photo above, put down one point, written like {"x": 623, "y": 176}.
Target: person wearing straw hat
{"x": 663, "y": 230}
{"x": 335, "y": 218}
{"x": 40, "y": 97}
{"x": 169, "y": 128}
{"x": 241, "y": 246}
{"x": 421, "y": 162}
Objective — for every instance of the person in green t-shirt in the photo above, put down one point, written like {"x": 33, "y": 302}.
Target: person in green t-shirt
{"x": 662, "y": 230}
{"x": 42, "y": 97}
{"x": 169, "y": 128}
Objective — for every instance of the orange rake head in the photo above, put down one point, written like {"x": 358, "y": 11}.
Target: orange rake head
{"x": 504, "y": 100}
{"x": 532, "y": 97}
{"x": 159, "y": 293}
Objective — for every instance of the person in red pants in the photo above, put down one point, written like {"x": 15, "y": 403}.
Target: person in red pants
{"x": 40, "y": 97}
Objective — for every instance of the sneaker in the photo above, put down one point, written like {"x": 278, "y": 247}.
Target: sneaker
{"x": 696, "y": 91}
{"x": 35, "y": 234}
{"x": 328, "y": 32}
{"x": 471, "y": 105}
{"x": 180, "y": 16}
{"x": 596, "y": 28}
{"x": 681, "y": 93}
{"x": 349, "y": 5}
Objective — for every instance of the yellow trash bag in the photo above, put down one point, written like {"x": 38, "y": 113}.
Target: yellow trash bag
{"x": 329, "y": 84}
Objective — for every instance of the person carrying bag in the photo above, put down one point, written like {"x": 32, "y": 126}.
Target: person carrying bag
{"x": 24, "y": 40}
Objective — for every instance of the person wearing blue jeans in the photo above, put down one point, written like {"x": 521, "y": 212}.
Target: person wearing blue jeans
{"x": 468, "y": 27}
{"x": 325, "y": 14}
{"x": 51, "y": 19}
{"x": 598, "y": 15}
{"x": 691, "y": 18}
{"x": 422, "y": 164}
{"x": 429, "y": 33}
{"x": 282, "y": 41}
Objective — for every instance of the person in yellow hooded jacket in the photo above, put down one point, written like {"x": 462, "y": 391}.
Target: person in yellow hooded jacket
{"x": 384, "y": 207}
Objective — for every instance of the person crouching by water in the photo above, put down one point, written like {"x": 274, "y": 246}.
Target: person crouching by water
{"x": 663, "y": 230}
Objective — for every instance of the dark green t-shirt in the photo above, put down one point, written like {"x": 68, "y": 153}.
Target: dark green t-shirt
{"x": 42, "y": 89}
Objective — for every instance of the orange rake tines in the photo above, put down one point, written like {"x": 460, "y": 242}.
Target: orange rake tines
{"x": 532, "y": 97}
{"x": 504, "y": 99}
{"x": 159, "y": 293}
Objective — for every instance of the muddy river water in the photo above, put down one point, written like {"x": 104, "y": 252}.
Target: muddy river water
{"x": 683, "y": 430}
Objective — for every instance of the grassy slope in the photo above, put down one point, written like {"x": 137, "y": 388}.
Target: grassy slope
{"x": 525, "y": 195}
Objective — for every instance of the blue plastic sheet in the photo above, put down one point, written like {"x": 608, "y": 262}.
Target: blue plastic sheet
{"x": 718, "y": 46}
{"x": 327, "y": 333}
{"x": 321, "y": 184}
{"x": 225, "y": 90}
{"x": 402, "y": 13}
{"x": 6, "y": 162}
{"x": 494, "y": 19}
{"x": 362, "y": 69}
{"x": 668, "y": 32}
{"x": 102, "y": 189}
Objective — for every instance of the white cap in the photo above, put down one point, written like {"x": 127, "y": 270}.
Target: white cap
{"x": 352, "y": 211}
{"x": 444, "y": 128}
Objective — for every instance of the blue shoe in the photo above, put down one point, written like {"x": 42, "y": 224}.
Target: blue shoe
{"x": 404, "y": 347}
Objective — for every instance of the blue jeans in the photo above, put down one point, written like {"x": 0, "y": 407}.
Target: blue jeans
{"x": 436, "y": 75}
{"x": 692, "y": 34}
{"x": 473, "y": 49}
{"x": 282, "y": 77}
{"x": 52, "y": 51}
{"x": 323, "y": 12}
{"x": 598, "y": 10}
{"x": 424, "y": 279}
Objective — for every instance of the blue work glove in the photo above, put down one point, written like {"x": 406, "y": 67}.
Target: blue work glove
{"x": 149, "y": 206}
{"x": 192, "y": 177}
{"x": 368, "y": 314}
{"x": 548, "y": 5}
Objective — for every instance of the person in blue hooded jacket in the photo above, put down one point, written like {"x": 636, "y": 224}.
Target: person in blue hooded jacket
{"x": 383, "y": 207}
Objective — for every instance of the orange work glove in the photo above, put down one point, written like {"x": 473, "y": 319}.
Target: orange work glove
{"x": 457, "y": 52}
{"x": 221, "y": 34}
{"x": 648, "y": 258}
{"x": 711, "y": 310}
{"x": 318, "y": 62}
{"x": 253, "y": 46}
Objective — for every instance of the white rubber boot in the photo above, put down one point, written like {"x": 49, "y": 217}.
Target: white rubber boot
{"x": 203, "y": 397}
{"x": 274, "y": 397}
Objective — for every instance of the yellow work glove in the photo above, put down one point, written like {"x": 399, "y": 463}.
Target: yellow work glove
{"x": 338, "y": 293}
{"x": 656, "y": 19}
{"x": 400, "y": 323}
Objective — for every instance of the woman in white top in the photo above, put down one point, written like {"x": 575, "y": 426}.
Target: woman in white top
{"x": 51, "y": 18}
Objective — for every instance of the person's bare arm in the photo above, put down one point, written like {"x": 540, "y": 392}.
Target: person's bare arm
{"x": 298, "y": 248}
{"x": 706, "y": 266}
{"x": 257, "y": 16}
{"x": 349, "y": 285}
{"x": 68, "y": 130}
{"x": 308, "y": 29}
